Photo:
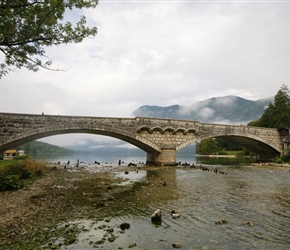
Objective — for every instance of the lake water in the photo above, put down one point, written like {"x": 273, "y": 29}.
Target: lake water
{"x": 246, "y": 208}
{"x": 139, "y": 156}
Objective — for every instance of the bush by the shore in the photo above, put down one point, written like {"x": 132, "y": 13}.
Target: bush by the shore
{"x": 14, "y": 172}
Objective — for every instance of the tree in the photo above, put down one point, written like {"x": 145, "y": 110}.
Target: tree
{"x": 228, "y": 144}
{"x": 207, "y": 146}
{"x": 276, "y": 115}
{"x": 28, "y": 26}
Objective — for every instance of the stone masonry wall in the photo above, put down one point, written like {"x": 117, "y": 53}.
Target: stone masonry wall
{"x": 150, "y": 134}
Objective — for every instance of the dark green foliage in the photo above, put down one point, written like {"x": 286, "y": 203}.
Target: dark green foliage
{"x": 228, "y": 145}
{"x": 286, "y": 157}
{"x": 207, "y": 146}
{"x": 219, "y": 146}
{"x": 13, "y": 173}
{"x": 18, "y": 169}
{"x": 27, "y": 27}
{"x": 12, "y": 176}
{"x": 20, "y": 157}
{"x": 277, "y": 114}
{"x": 8, "y": 182}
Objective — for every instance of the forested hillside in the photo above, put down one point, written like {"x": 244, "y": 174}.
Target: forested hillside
{"x": 37, "y": 147}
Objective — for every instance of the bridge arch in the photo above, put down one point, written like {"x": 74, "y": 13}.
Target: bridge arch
{"x": 31, "y": 135}
{"x": 254, "y": 143}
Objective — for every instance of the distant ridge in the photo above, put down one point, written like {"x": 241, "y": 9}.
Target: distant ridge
{"x": 227, "y": 110}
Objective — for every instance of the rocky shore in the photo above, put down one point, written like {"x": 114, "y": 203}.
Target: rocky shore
{"x": 29, "y": 216}
{"x": 58, "y": 196}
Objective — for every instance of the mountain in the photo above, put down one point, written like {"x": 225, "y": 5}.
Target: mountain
{"x": 226, "y": 110}
{"x": 38, "y": 147}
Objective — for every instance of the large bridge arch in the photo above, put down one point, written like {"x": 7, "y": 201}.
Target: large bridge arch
{"x": 35, "y": 134}
{"x": 263, "y": 148}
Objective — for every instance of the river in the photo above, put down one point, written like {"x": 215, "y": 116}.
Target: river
{"x": 245, "y": 208}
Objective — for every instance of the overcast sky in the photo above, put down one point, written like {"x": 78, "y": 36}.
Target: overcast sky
{"x": 160, "y": 53}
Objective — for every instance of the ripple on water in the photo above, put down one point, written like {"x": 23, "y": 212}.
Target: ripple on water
{"x": 202, "y": 198}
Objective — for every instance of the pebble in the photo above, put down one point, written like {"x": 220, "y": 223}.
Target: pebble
{"x": 248, "y": 223}
{"x": 177, "y": 245}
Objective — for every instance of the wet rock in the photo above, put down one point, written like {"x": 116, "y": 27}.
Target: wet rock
{"x": 107, "y": 220}
{"x": 174, "y": 214}
{"x": 111, "y": 238}
{"x": 70, "y": 241}
{"x": 163, "y": 183}
{"x": 110, "y": 230}
{"x": 100, "y": 204}
{"x": 132, "y": 245}
{"x": 102, "y": 241}
{"x": 124, "y": 226}
{"x": 177, "y": 245}
{"x": 156, "y": 217}
{"x": 102, "y": 227}
{"x": 249, "y": 223}
{"x": 221, "y": 222}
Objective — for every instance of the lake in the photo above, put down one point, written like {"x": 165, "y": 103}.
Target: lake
{"x": 245, "y": 208}
{"x": 113, "y": 158}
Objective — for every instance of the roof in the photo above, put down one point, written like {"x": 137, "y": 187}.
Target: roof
{"x": 10, "y": 151}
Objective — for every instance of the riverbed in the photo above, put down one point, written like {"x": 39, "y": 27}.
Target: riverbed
{"x": 220, "y": 207}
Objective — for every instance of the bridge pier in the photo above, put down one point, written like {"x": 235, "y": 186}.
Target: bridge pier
{"x": 266, "y": 157}
{"x": 166, "y": 157}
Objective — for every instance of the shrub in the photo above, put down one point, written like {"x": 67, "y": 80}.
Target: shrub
{"x": 13, "y": 174}
{"x": 20, "y": 157}
{"x": 36, "y": 168}
{"x": 278, "y": 160}
{"x": 286, "y": 157}
{"x": 12, "y": 181}
{"x": 17, "y": 169}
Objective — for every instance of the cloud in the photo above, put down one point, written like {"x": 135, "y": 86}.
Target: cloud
{"x": 206, "y": 113}
{"x": 160, "y": 53}
{"x": 226, "y": 101}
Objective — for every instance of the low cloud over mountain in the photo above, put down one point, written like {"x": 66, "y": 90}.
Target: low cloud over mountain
{"x": 227, "y": 110}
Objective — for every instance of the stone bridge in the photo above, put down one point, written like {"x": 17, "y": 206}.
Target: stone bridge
{"x": 160, "y": 138}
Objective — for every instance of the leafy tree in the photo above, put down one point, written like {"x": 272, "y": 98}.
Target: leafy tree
{"x": 28, "y": 26}
{"x": 228, "y": 144}
{"x": 207, "y": 146}
{"x": 276, "y": 115}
